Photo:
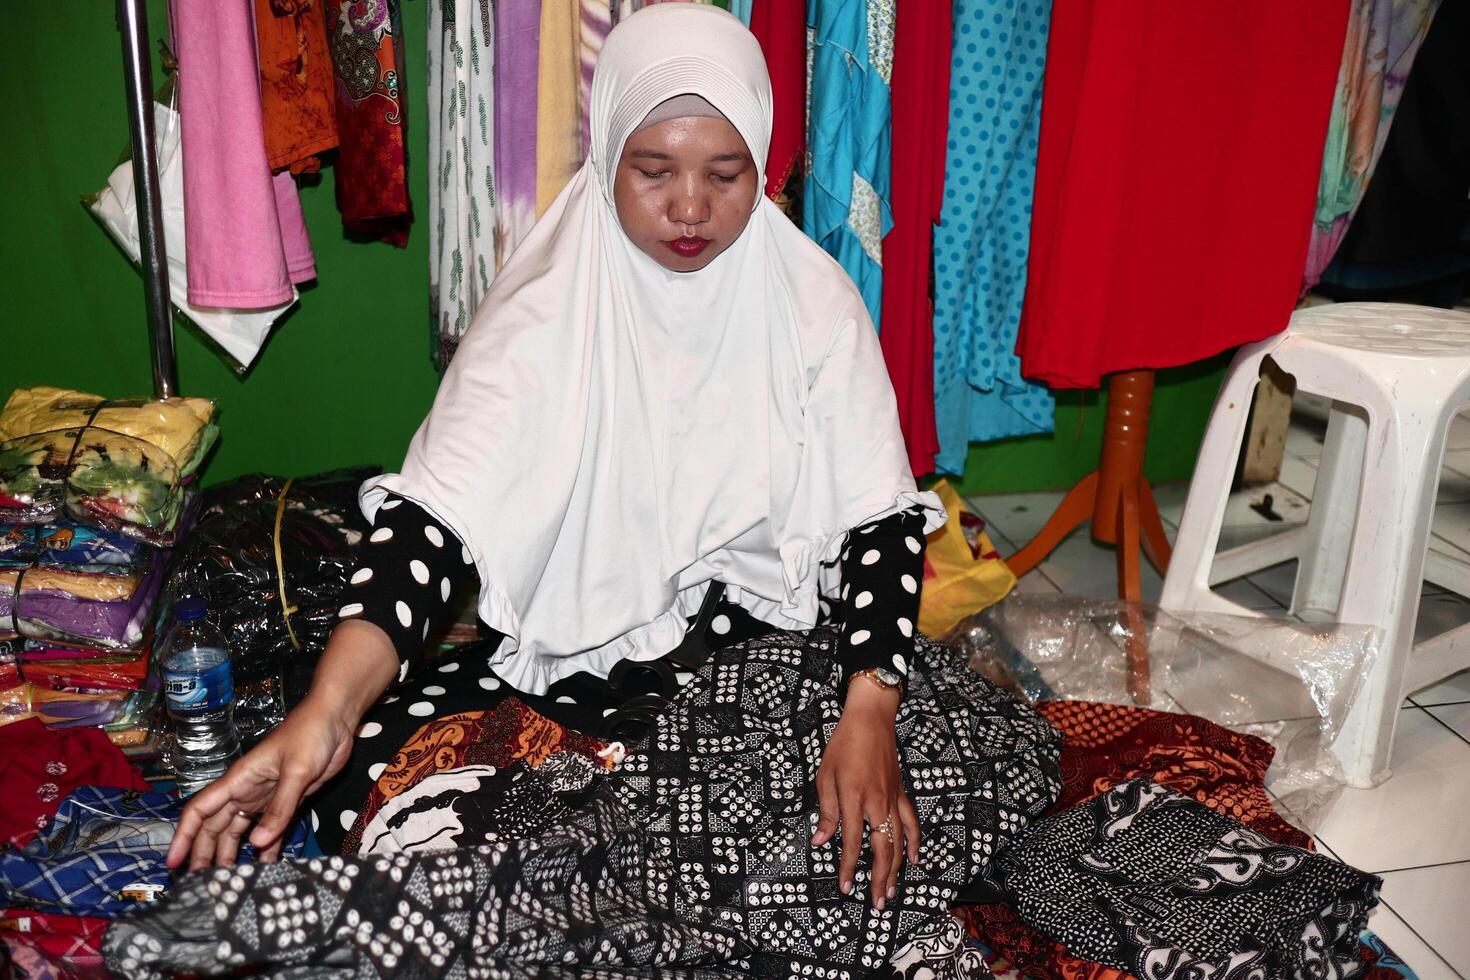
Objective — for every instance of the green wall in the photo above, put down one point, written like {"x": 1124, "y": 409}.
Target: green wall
{"x": 346, "y": 377}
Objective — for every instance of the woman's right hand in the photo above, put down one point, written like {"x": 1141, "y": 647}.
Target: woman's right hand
{"x": 269, "y": 782}
{"x": 308, "y": 748}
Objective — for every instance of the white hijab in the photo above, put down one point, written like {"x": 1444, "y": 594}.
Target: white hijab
{"x": 612, "y": 436}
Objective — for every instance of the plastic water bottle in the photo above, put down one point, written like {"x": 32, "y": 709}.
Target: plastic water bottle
{"x": 201, "y": 698}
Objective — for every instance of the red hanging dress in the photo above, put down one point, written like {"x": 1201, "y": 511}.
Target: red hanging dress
{"x": 920, "y": 98}
{"x": 1176, "y": 179}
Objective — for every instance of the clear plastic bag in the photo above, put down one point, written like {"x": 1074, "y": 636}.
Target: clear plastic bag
{"x": 1288, "y": 683}
{"x": 240, "y": 334}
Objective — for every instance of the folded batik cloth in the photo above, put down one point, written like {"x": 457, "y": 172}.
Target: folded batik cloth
{"x": 1149, "y": 881}
{"x": 122, "y": 465}
{"x": 469, "y": 741}
{"x": 69, "y": 545}
{"x": 102, "y": 854}
{"x": 1107, "y": 744}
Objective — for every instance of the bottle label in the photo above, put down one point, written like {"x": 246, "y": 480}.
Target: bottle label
{"x": 206, "y": 690}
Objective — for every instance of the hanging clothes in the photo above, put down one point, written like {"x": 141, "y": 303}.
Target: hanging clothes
{"x": 462, "y": 188}
{"x": 1383, "y": 36}
{"x": 517, "y": 74}
{"x": 372, "y": 180}
{"x": 780, "y": 26}
{"x": 920, "y": 94}
{"x": 1176, "y": 178}
{"x": 247, "y": 237}
{"x": 558, "y": 99}
{"x": 982, "y": 243}
{"x": 846, "y": 199}
{"x": 597, "y": 19}
{"x": 297, "y": 96}
{"x": 1410, "y": 240}
{"x": 744, "y": 9}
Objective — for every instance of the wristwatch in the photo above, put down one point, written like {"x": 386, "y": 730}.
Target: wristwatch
{"x": 881, "y": 676}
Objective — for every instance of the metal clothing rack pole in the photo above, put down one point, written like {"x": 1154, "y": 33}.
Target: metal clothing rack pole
{"x": 132, "y": 22}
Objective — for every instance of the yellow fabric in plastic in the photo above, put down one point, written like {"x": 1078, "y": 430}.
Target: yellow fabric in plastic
{"x": 174, "y": 425}
{"x": 956, "y": 584}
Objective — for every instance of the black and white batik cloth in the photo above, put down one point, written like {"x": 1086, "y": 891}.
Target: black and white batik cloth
{"x": 693, "y": 858}
{"x": 1161, "y": 886}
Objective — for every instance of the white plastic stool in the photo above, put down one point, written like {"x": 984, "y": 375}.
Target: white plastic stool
{"x": 1397, "y": 376}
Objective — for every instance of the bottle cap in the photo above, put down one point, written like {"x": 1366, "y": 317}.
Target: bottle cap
{"x": 190, "y": 609}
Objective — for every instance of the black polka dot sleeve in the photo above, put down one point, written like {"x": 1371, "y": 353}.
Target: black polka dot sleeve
{"x": 409, "y": 566}
{"x": 882, "y": 570}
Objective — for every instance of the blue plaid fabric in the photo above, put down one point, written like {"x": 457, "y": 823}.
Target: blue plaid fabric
{"x": 101, "y": 841}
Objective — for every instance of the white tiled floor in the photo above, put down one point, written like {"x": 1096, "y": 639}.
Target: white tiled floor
{"x": 1414, "y": 829}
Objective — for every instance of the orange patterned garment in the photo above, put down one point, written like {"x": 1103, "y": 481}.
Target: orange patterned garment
{"x": 510, "y": 732}
{"x": 297, "y": 99}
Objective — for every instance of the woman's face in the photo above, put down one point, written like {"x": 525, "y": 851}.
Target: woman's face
{"x": 684, "y": 190}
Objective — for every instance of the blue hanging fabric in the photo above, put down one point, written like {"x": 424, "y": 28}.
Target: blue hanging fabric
{"x": 846, "y": 206}
{"x": 741, "y": 9}
{"x": 983, "y": 239}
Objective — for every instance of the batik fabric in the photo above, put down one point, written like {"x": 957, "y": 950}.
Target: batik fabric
{"x": 366, "y": 40}
{"x": 1147, "y": 880}
{"x": 694, "y": 855}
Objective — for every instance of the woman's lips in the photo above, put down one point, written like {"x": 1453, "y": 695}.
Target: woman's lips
{"x": 687, "y": 247}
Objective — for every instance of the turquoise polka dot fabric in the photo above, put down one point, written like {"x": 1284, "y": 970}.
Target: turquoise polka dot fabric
{"x": 981, "y": 244}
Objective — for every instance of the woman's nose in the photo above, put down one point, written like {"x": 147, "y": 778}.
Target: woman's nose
{"x": 689, "y": 207}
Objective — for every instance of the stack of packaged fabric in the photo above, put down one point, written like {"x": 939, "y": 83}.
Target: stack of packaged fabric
{"x": 93, "y": 495}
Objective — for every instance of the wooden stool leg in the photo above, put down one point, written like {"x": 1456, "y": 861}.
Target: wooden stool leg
{"x": 1131, "y": 592}
{"x": 1130, "y": 588}
{"x": 1075, "y": 508}
{"x": 1155, "y": 540}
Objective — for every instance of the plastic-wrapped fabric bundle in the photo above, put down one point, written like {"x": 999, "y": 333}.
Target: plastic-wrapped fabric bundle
{"x": 78, "y": 608}
{"x": 231, "y": 560}
{"x": 1288, "y": 683}
{"x": 123, "y": 465}
{"x": 67, "y": 544}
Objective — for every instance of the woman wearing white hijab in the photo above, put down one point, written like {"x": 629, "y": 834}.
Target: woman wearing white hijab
{"x": 667, "y": 386}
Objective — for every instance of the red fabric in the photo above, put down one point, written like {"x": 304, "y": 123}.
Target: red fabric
{"x": 1176, "y": 179}
{"x": 780, "y": 26}
{"x": 1106, "y": 744}
{"x": 371, "y": 172}
{"x": 920, "y": 96}
{"x": 71, "y": 941}
{"x": 39, "y": 767}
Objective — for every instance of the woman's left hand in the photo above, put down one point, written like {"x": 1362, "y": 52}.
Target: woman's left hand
{"x": 858, "y": 782}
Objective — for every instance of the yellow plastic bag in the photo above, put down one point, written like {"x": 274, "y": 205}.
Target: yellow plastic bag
{"x": 959, "y": 580}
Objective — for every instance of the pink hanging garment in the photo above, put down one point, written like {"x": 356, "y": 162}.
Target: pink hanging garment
{"x": 247, "y": 237}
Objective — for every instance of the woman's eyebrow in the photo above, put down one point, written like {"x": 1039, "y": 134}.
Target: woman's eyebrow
{"x": 650, "y": 154}
{"x": 729, "y": 158}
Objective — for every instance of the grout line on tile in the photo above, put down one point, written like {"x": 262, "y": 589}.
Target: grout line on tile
{"x": 1418, "y": 867}
{"x": 1444, "y": 724}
